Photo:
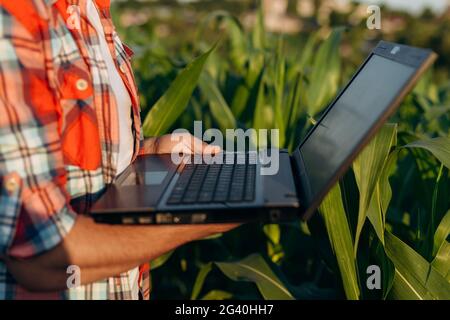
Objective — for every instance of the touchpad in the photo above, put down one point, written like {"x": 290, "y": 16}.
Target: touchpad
{"x": 147, "y": 178}
{"x": 154, "y": 178}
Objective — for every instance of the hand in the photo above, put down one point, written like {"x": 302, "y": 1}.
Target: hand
{"x": 182, "y": 143}
{"x": 186, "y": 143}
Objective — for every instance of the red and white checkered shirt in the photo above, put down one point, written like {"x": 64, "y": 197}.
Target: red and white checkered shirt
{"x": 59, "y": 131}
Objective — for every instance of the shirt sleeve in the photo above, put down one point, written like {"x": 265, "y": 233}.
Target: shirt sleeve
{"x": 35, "y": 214}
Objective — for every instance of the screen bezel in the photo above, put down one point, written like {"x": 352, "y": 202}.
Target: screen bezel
{"x": 420, "y": 60}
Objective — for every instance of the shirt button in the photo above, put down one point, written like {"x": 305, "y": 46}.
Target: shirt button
{"x": 81, "y": 84}
{"x": 11, "y": 185}
{"x": 123, "y": 68}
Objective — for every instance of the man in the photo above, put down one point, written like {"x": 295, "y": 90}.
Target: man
{"x": 69, "y": 125}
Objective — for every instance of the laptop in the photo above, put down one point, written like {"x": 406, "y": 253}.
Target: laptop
{"x": 157, "y": 190}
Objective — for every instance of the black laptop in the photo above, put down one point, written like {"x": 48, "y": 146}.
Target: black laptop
{"x": 156, "y": 190}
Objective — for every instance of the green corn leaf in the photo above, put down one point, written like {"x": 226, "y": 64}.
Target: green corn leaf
{"x": 403, "y": 289}
{"x": 293, "y": 101}
{"x": 273, "y": 232}
{"x": 280, "y": 78}
{"x": 259, "y": 32}
{"x": 386, "y": 266}
{"x": 239, "y": 52}
{"x": 255, "y": 69}
{"x": 274, "y": 247}
{"x": 324, "y": 80}
{"x": 255, "y": 269}
{"x": 442, "y": 232}
{"x": 201, "y": 277}
{"x": 333, "y": 213}
{"x": 383, "y": 187}
{"x": 442, "y": 260}
{"x": 250, "y": 84}
{"x": 217, "y": 295}
{"x": 372, "y": 180}
{"x": 439, "y": 147}
{"x": 415, "y": 278}
{"x": 441, "y": 248}
{"x": 279, "y": 92}
{"x": 219, "y": 108}
{"x": 173, "y": 103}
{"x": 238, "y": 41}
{"x": 305, "y": 57}
{"x": 433, "y": 216}
{"x": 259, "y": 119}
{"x": 308, "y": 52}
{"x": 297, "y": 105}
{"x": 160, "y": 261}
{"x": 379, "y": 204}
{"x": 264, "y": 117}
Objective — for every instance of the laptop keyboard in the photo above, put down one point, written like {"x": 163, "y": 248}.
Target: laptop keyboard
{"x": 215, "y": 183}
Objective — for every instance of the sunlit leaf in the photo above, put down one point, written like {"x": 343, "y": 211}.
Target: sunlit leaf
{"x": 217, "y": 295}
{"x": 250, "y": 85}
{"x": 442, "y": 260}
{"x": 264, "y": 117}
{"x": 387, "y": 269}
{"x": 172, "y": 104}
{"x": 273, "y": 232}
{"x": 442, "y": 232}
{"x": 374, "y": 192}
{"x": 259, "y": 32}
{"x": 324, "y": 79}
{"x": 274, "y": 247}
{"x": 305, "y": 56}
{"x": 160, "y": 261}
{"x": 415, "y": 278}
{"x": 280, "y": 77}
{"x": 238, "y": 50}
{"x": 332, "y": 210}
{"x": 439, "y": 147}
{"x": 198, "y": 285}
{"x": 441, "y": 247}
{"x": 255, "y": 269}
{"x": 219, "y": 108}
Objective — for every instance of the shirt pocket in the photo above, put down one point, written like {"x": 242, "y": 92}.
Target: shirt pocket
{"x": 74, "y": 82}
{"x": 72, "y": 72}
{"x": 79, "y": 125}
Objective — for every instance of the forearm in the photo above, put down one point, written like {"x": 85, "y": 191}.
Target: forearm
{"x": 101, "y": 251}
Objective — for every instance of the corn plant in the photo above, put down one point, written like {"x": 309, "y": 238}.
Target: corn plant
{"x": 390, "y": 210}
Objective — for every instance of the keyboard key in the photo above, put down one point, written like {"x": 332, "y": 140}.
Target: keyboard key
{"x": 216, "y": 183}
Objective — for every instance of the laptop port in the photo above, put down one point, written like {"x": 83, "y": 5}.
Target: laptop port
{"x": 199, "y": 218}
{"x": 128, "y": 220}
{"x": 162, "y": 218}
{"x": 145, "y": 220}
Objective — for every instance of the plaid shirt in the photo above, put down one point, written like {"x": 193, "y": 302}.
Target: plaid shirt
{"x": 59, "y": 130}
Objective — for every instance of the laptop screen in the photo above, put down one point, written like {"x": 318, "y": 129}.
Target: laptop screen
{"x": 353, "y": 115}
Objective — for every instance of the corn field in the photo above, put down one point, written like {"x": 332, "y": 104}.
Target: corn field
{"x": 391, "y": 210}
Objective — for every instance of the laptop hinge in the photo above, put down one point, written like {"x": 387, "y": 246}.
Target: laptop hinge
{"x": 300, "y": 178}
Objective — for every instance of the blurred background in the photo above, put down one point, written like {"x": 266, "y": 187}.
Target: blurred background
{"x": 277, "y": 65}
{"x": 422, "y": 23}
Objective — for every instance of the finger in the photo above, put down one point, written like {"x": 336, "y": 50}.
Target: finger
{"x": 211, "y": 149}
{"x": 197, "y": 145}
{"x": 182, "y": 148}
{"x": 201, "y": 147}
